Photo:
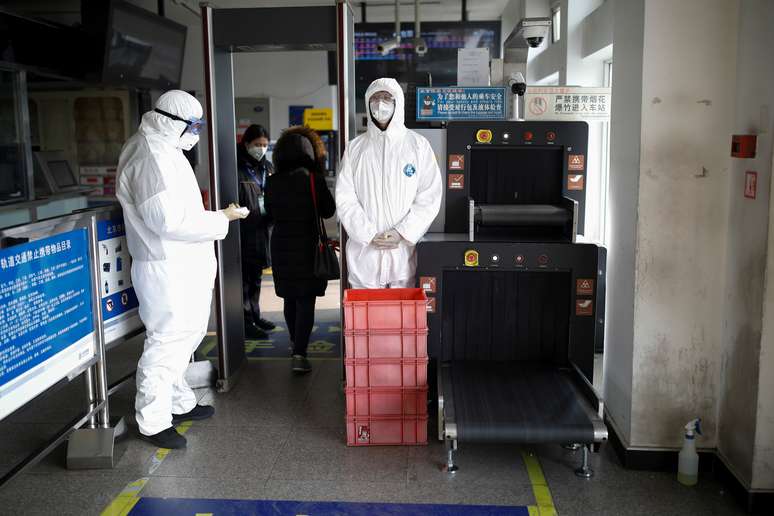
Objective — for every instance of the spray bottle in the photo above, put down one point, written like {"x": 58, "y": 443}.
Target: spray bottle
{"x": 688, "y": 465}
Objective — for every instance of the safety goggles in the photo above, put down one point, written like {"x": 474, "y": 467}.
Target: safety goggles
{"x": 194, "y": 125}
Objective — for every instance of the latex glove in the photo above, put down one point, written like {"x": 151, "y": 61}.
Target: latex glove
{"x": 387, "y": 240}
{"x": 234, "y": 212}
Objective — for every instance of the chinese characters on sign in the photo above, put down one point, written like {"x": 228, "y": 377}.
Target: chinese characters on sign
{"x": 45, "y": 301}
{"x": 119, "y": 301}
{"x": 457, "y": 103}
{"x": 567, "y": 103}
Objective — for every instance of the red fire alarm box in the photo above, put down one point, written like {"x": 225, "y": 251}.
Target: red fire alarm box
{"x": 743, "y": 145}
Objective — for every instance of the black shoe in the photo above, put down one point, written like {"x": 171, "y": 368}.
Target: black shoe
{"x": 168, "y": 438}
{"x": 265, "y": 325}
{"x": 301, "y": 364}
{"x": 255, "y": 333}
{"x": 197, "y": 413}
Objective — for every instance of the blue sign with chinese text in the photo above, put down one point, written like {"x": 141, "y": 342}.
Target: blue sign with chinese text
{"x": 115, "y": 283}
{"x": 461, "y": 103}
{"x": 45, "y": 300}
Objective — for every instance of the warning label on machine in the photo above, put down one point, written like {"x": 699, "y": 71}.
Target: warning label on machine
{"x": 456, "y": 162}
{"x": 584, "y": 307}
{"x": 584, "y": 287}
{"x": 428, "y": 284}
{"x": 456, "y": 181}
{"x": 576, "y": 162}
{"x": 575, "y": 182}
{"x": 431, "y": 305}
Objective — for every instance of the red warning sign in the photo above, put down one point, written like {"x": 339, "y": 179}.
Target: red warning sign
{"x": 584, "y": 287}
{"x": 576, "y": 162}
{"x": 576, "y": 182}
{"x": 456, "y": 181}
{"x": 584, "y": 307}
{"x": 456, "y": 162}
{"x": 431, "y": 305}
{"x": 427, "y": 283}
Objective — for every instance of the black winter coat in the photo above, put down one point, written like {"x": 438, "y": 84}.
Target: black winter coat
{"x": 254, "y": 230}
{"x": 294, "y": 238}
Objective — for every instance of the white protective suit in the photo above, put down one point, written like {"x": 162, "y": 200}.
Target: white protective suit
{"x": 388, "y": 180}
{"x": 170, "y": 237}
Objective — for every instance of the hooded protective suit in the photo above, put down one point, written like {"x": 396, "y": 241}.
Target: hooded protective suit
{"x": 170, "y": 237}
{"x": 388, "y": 180}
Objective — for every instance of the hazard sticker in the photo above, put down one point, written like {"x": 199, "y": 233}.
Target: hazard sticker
{"x": 584, "y": 307}
{"x": 471, "y": 258}
{"x": 427, "y": 283}
{"x": 584, "y": 287}
{"x": 456, "y": 162}
{"x": 456, "y": 181}
{"x": 576, "y": 182}
{"x": 431, "y": 305}
{"x": 576, "y": 162}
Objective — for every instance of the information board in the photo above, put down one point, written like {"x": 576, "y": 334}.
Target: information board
{"x": 119, "y": 301}
{"x": 46, "y": 321}
{"x": 460, "y": 103}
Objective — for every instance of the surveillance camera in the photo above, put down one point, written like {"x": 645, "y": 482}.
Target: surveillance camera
{"x": 420, "y": 46}
{"x": 517, "y": 84}
{"x": 388, "y": 46}
{"x": 534, "y": 30}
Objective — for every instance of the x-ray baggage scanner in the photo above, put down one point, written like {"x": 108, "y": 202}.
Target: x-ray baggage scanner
{"x": 516, "y": 306}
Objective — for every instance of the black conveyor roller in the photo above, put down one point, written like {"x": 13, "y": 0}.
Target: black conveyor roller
{"x": 518, "y": 402}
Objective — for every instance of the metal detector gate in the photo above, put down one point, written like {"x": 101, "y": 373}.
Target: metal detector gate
{"x": 226, "y": 31}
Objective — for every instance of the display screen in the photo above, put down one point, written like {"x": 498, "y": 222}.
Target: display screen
{"x": 62, "y": 174}
{"x": 144, "y": 47}
{"x": 440, "y": 63}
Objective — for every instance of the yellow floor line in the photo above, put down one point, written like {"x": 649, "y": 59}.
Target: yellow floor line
{"x": 130, "y": 495}
{"x": 545, "y": 504}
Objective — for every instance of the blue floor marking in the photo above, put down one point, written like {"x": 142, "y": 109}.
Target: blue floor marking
{"x": 189, "y": 506}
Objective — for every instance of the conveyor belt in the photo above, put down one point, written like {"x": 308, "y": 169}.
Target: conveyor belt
{"x": 522, "y": 215}
{"x": 519, "y": 402}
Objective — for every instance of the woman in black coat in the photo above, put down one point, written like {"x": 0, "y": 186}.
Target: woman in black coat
{"x": 254, "y": 171}
{"x": 298, "y": 158}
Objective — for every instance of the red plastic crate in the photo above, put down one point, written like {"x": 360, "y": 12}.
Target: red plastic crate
{"x": 385, "y": 344}
{"x": 375, "y": 431}
{"x": 385, "y": 309}
{"x": 386, "y": 372}
{"x": 388, "y": 401}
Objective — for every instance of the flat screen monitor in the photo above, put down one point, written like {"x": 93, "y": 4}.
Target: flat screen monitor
{"x": 62, "y": 173}
{"x": 53, "y": 173}
{"x": 143, "y": 49}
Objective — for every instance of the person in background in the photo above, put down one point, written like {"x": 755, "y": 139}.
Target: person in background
{"x": 170, "y": 237}
{"x": 254, "y": 171}
{"x": 388, "y": 192}
{"x": 298, "y": 161}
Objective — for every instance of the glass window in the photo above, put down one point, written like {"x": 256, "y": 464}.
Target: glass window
{"x": 556, "y": 24}
{"x": 99, "y": 130}
{"x": 14, "y": 138}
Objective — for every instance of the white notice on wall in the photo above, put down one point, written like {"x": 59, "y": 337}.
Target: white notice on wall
{"x": 473, "y": 67}
{"x": 567, "y": 103}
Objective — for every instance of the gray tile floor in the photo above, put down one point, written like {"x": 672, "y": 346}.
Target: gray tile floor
{"x": 279, "y": 436}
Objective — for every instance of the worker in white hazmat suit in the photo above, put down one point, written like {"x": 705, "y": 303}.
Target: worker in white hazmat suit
{"x": 388, "y": 192}
{"x": 170, "y": 237}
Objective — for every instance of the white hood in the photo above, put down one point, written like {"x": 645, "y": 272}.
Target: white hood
{"x": 397, "y": 126}
{"x": 175, "y": 102}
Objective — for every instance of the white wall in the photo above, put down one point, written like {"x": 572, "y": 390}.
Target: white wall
{"x": 287, "y": 78}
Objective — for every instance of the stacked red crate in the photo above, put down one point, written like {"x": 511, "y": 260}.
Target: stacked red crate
{"x": 385, "y": 336}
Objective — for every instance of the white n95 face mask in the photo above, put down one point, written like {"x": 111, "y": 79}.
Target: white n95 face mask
{"x": 188, "y": 140}
{"x": 382, "y": 110}
{"x": 257, "y": 152}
